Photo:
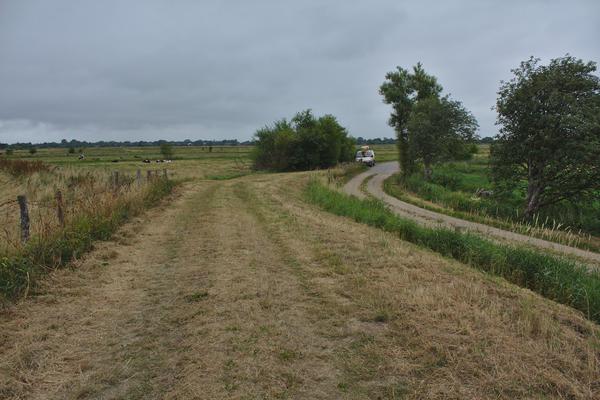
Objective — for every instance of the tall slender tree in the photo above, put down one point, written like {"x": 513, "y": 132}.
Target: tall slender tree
{"x": 397, "y": 91}
{"x": 428, "y": 128}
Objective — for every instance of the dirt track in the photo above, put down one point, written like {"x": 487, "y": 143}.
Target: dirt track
{"x": 382, "y": 171}
{"x": 240, "y": 290}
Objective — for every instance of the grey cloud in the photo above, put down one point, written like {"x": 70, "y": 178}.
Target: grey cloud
{"x": 220, "y": 69}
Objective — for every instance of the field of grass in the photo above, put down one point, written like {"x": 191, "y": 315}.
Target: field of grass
{"x": 240, "y": 288}
{"x": 452, "y": 189}
{"x": 385, "y": 152}
{"x": 93, "y": 204}
{"x": 248, "y": 285}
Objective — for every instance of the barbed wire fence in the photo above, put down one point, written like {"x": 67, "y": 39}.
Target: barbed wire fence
{"x": 20, "y": 208}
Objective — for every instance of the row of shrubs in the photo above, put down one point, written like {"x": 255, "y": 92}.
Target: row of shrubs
{"x": 19, "y": 272}
{"x": 558, "y": 279}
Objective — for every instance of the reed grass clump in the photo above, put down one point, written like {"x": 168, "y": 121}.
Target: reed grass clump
{"x": 18, "y": 168}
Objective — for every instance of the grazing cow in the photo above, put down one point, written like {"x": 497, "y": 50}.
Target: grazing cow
{"x": 481, "y": 192}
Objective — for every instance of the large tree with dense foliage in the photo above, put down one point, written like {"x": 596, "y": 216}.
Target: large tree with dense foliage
{"x": 428, "y": 127}
{"x": 549, "y": 140}
{"x": 304, "y": 143}
{"x": 438, "y": 129}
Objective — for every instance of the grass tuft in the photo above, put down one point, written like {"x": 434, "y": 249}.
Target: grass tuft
{"x": 19, "y": 168}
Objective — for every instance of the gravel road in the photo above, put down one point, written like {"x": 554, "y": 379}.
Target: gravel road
{"x": 382, "y": 171}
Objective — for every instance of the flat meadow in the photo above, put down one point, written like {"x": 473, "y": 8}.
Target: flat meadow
{"x": 244, "y": 283}
{"x": 91, "y": 179}
{"x": 72, "y": 201}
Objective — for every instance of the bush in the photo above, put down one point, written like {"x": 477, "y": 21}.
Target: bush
{"x": 304, "y": 143}
{"x": 557, "y": 279}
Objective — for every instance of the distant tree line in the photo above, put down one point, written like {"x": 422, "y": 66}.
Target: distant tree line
{"x": 142, "y": 143}
{"x": 78, "y": 144}
{"x": 362, "y": 141}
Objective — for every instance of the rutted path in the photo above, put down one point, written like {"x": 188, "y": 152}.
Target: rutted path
{"x": 381, "y": 172}
{"x": 239, "y": 289}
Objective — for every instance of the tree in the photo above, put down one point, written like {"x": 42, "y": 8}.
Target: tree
{"x": 402, "y": 89}
{"x": 71, "y": 150}
{"x": 428, "y": 127}
{"x": 166, "y": 150}
{"x": 439, "y": 129}
{"x": 32, "y": 150}
{"x": 304, "y": 143}
{"x": 549, "y": 140}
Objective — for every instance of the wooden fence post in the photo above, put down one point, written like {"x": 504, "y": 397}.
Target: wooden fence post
{"x": 138, "y": 177}
{"x": 59, "y": 209}
{"x": 24, "y": 218}
{"x": 149, "y": 175}
{"x": 165, "y": 175}
{"x": 116, "y": 179}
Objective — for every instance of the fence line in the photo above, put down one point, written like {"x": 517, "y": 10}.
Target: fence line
{"x": 59, "y": 205}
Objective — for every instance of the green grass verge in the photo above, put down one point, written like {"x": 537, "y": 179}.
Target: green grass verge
{"x": 19, "y": 272}
{"x": 424, "y": 199}
{"x": 558, "y": 279}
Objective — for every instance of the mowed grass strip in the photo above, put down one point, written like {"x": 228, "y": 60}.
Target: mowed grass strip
{"x": 558, "y": 279}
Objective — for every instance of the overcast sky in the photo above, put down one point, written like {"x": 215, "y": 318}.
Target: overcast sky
{"x": 177, "y": 69}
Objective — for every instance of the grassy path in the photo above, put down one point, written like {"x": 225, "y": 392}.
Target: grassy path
{"x": 381, "y": 172}
{"x": 241, "y": 290}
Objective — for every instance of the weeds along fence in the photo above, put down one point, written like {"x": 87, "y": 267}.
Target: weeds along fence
{"x": 60, "y": 215}
{"x": 556, "y": 278}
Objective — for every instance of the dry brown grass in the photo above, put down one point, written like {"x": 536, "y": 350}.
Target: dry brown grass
{"x": 83, "y": 193}
{"x": 241, "y": 290}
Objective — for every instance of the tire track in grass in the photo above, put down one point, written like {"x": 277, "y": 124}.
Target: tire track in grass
{"x": 254, "y": 336}
{"x": 104, "y": 329}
